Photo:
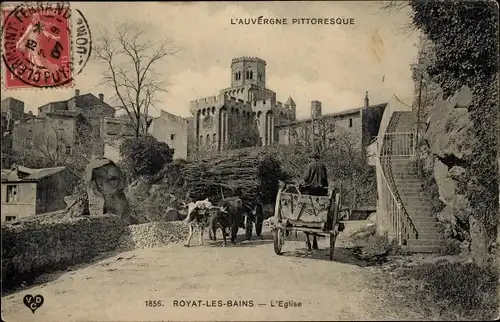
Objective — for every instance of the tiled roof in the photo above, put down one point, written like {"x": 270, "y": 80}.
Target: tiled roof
{"x": 33, "y": 174}
{"x": 45, "y": 172}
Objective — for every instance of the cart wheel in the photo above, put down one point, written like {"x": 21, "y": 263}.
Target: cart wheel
{"x": 333, "y": 237}
{"x": 278, "y": 241}
{"x": 248, "y": 227}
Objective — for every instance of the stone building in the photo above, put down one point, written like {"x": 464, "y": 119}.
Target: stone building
{"x": 360, "y": 124}
{"x": 114, "y": 130}
{"x": 55, "y": 131}
{"x": 243, "y": 115}
{"x": 173, "y": 130}
{"x": 27, "y": 192}
{"x": 92, "y": 108}
{"x": 61, "y": 126}
{"x": 12, "y": 112}
{"x": 168, "y": 128}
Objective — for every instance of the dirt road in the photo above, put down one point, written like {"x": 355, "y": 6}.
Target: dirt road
{"x": 117, "y": 288}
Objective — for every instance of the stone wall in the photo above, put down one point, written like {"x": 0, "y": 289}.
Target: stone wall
{"x": 46, "y": 243}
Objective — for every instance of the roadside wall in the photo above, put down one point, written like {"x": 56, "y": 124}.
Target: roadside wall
{"x": 41, "y": 244}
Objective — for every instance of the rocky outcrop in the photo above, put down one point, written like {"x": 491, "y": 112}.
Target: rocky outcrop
{"x": 447, "y": 151}
{"x": 447, "y": 133}
{"x": 106, "y": 185}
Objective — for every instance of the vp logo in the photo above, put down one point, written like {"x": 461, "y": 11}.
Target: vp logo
{"x": 33, "y": 302}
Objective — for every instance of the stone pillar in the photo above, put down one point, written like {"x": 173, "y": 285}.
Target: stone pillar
{"x": 226, "y": 128}
{"x": 272, "y": 130}
{"x": 266, "y": 139}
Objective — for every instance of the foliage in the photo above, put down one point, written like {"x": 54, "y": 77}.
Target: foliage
{"x": 244, "y": 136}
{"x": 451, "y": 247}
{"x": 148, "y": 202}
{"x": 465, "y": 290}
{"x": 54, "y": 147}
{"x": 370, "y": 247}
{"x": 346, "y": 164}
{"x": 130, "y": 58}
{"x": 465, "y": 53}
{"x": 144, "y": 156}
{"x": 173, "y": 176}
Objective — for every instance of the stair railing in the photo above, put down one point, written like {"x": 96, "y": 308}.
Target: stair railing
{"x": 389, "y": 201}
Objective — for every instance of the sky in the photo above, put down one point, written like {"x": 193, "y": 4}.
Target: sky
{"x": 333, "y": 64}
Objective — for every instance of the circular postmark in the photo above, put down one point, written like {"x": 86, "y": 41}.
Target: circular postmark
{"x": 82, "y": 42}
{"x": 37, "y": 46}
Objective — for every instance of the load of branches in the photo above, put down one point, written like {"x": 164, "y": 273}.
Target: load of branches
{"x": 252, "y": 177}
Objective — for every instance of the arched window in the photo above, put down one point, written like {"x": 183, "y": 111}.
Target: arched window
{"x": 247, "y": 74}
{"x": 213, "y": 109}
{"x": 236, "y": 76}
{"x": 208, "y": 139}
{"x": 214, "y": 138}
{"x": 251, "y": 75}
{"x": 201, "y": 139}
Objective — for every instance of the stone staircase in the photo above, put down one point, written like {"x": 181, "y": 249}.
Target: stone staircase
{"x": 406, "y": 184}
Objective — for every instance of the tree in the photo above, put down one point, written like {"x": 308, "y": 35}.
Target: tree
{"x": 53, "y": 147}
{"x": 144, "y": 156}
{"x": 130, "y": 59}
{"x": 346, "y": 163}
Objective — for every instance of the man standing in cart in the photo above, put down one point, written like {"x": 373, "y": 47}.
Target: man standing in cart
{"x": 315, "y": 177}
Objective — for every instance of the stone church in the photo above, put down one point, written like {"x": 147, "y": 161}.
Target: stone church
{"x": 243, "y": 115}
{"x": 247, "y": 114}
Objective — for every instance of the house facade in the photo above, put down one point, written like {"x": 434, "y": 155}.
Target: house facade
{"x": 62, "y": 127}
{"x": 360, "y": 125}
{"x": 173, "y": 130}
{"x": 27, "y": 192}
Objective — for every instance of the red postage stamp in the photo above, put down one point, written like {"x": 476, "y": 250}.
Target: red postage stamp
{"x": 36, "y": 41}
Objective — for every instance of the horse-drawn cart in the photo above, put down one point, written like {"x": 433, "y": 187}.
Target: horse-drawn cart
{"x": 312, "y": 215}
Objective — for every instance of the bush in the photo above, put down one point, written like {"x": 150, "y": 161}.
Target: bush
{"x": 370, "y": 247}
{"x": 451, "y": 247}
{"x": 463, "y": 289}
{"x": 144, "y": 156}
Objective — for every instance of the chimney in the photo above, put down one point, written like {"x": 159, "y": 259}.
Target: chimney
{"x": 367, "y": 101}
{"x": 101, "y": 97}
{"x": 315, "y": 109}
{"x": 77, "y": 92}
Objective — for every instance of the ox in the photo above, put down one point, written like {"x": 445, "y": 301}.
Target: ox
{"x": 198, "y": 217}
{"x": 233, "y": 217}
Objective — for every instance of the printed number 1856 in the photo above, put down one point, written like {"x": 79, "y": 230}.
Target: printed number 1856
{"x": 151, "y": 303}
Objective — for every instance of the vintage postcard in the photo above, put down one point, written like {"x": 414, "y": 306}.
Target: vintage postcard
{"x": 250, "y": 161}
